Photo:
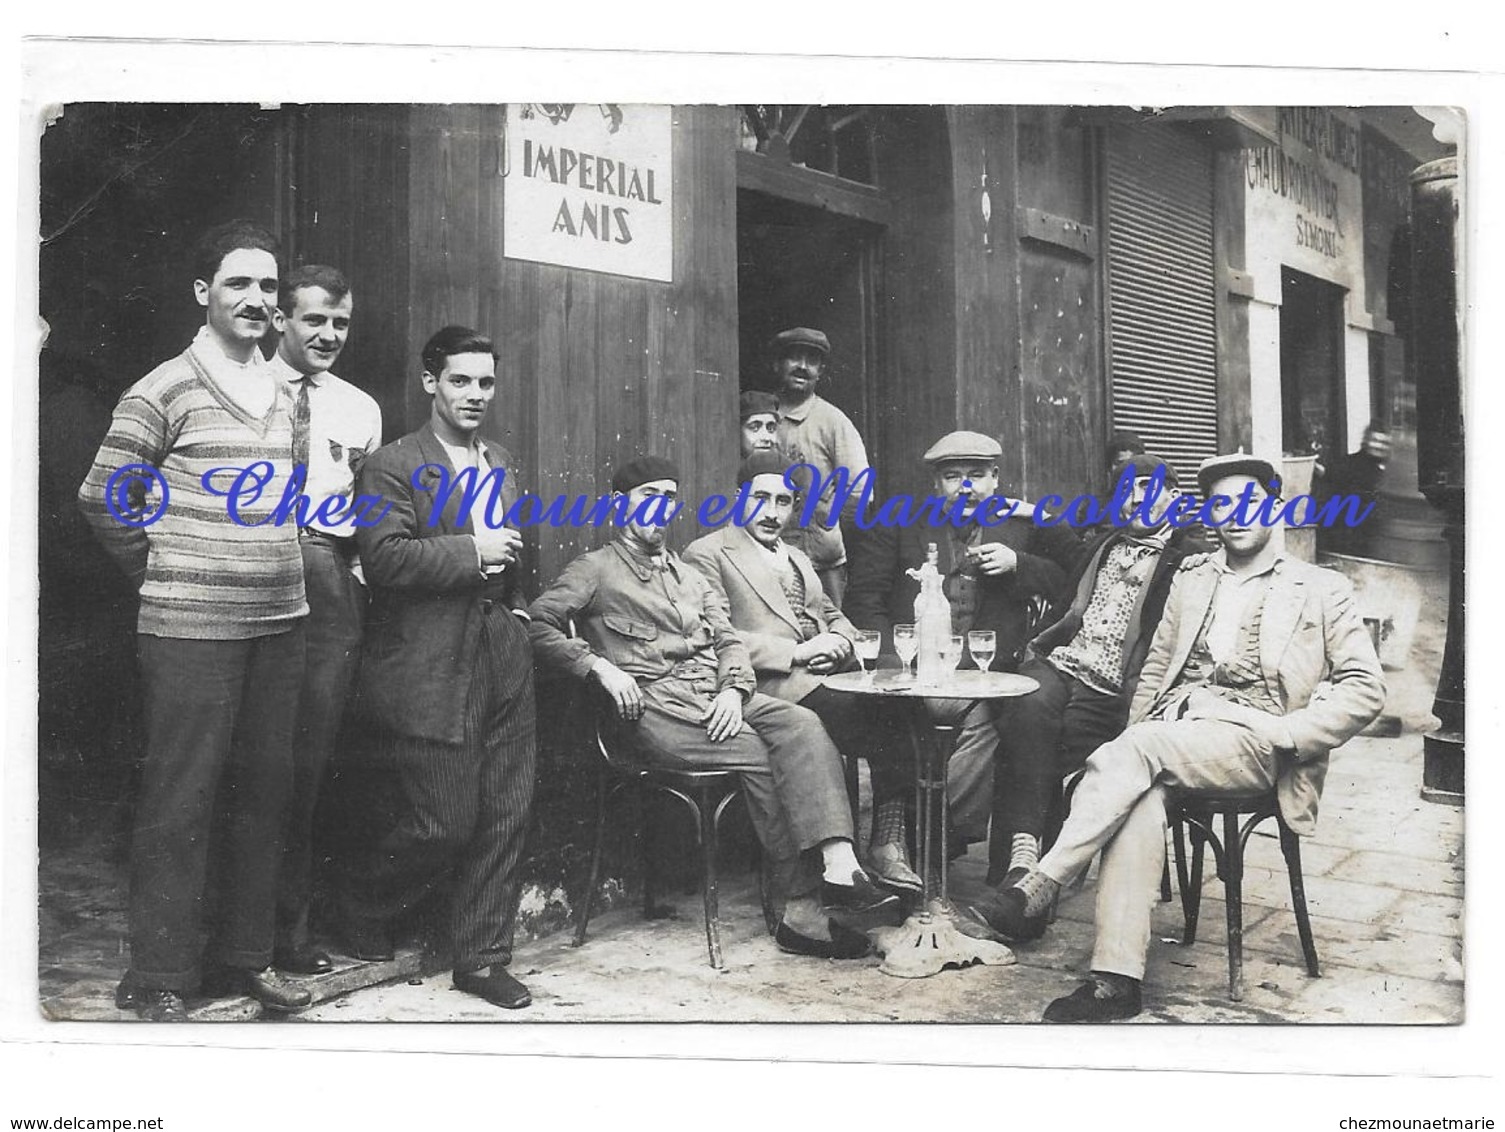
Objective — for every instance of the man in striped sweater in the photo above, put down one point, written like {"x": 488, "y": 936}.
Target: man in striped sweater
{"x": 183, "y": 494}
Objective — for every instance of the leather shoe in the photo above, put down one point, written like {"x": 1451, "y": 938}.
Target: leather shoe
{"x": 1004, "y": 913}
{"x": 889, "y": 867}
{"x": 303, "y": 960}
{"x": 274, "y": 990}
{"x": 862, "y": 895}
{"x": 150, "y": 1005}
{"x": 1102, "y": 998}
{"x": 496, "y": 986}
{"x": 367, "y": 940}
{"x": 843, "y": 944}
{"x": 966, "y": 921}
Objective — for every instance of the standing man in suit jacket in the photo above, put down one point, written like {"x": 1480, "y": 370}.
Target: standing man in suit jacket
{"x": 1087, "y": 664}
{"x": 1225, "y": 700}
{"x": 447, "y": 677}
{"x": 795, "y": 635}
{"x": 994, "y": 575}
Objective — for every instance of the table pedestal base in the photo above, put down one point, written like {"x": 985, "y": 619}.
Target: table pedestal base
{"x": 927, "y": 943}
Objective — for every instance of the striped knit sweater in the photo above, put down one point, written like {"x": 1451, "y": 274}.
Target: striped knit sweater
{"x": 202, "y": 575}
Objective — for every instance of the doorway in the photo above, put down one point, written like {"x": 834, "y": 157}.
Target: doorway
{"x": 1313, "y": 416}
{"x": 803, "y": 266}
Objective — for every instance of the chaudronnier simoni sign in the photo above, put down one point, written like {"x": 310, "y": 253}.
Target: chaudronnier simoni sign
{"x": 590, "y": 185}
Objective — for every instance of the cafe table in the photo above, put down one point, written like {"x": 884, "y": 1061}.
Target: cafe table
{"x": 928, "y": 941}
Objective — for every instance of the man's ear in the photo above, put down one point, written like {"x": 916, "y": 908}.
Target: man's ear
{"x": 279, "y": 320}
{"x": 429, "y": 382}
{"x": 201, "y": 292}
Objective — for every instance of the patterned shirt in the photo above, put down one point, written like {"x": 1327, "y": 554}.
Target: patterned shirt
{"x": 1095, "y": 656}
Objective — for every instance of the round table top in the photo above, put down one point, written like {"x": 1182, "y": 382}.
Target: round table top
{"x": 965, "y": 684}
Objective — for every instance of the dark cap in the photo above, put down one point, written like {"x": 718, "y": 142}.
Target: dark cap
{"x": 645, "y": 469}
{"x": 762, "y": 464}
{"x": 1237, "y": 464}
{"x": 754, "y": 402}
{"x": 1125, "y": 440}
{"x": 1144, "y": 464}
{"x": 964, "y": 445}
{"x": 801, "y": 336}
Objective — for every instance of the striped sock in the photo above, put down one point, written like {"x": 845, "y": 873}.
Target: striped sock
{"x": 1024, "y": 851}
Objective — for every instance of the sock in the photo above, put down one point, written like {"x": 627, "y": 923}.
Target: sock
{"x": 888, "y": 822}
{"x": 840, "y": 862}
{"x": 1039, "y": 890}
{"x": 1024, "y": 852}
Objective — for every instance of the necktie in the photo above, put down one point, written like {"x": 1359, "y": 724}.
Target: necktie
{"x": 300, "y": 424}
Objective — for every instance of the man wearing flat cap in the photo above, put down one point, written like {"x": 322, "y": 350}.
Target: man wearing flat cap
{"x": 795, "y": 636}
{"x": 759, "y": 412}
{"x": 1225, "y": 700}
{"x": 813, "y": 431}
{"x": 1087, "y": 664}
{"x": 655, "y": 637}
{"x": 995, "y": 570}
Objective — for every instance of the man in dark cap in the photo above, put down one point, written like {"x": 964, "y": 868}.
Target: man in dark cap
{"x": 447, "y": 680}
{"x": 1225, "y": 701}
{"x": 1358, "y": 474}
{"x": 795, "y": 635}
{"x": 656, "y": 638}
{"x": 997, "y": 575}
{"x": 760, "y": 422}
{"x": 813, "y": 431}
{"x": 1087, "y": 664}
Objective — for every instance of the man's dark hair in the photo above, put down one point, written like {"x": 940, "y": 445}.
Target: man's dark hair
{"x": 1125, "y": 440}
{"x": 450, "y": 341}
{"x": 331, "y": 279}
{"x": 215, "y": 244}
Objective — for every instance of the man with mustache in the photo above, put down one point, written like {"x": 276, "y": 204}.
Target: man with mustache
{"x": 1228, "y": 698}
{"x": 220, "y": 638}
{"x": 795, "y": 635}
{"x": 335, "y": 425}
{"x": 656, "y": 638}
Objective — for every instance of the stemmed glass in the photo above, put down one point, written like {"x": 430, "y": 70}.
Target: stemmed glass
{"x": 907, "y": 645}
{"x": 983, "y": 645}
{"x": 867, "y": 645}
{"x": 951, "y": 652}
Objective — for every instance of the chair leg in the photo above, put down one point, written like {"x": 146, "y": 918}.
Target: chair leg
{"x": 1165, "y": 882}
{"x": 652, "y": 910}
{"x": 708, "y": 871}
{"x": 602, "y": 788}
{"x": 1193, "y": 903}
{"x": 1233, "y": 884}
{"x": 1290, "y": 847}
{"x": 1183, "y": 878}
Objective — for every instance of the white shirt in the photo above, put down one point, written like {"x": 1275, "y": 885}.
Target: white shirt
{"x": 249, "y": 383}
{"x": 1229, "y": 604}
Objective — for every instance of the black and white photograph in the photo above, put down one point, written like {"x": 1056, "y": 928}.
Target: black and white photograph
{"x": 986, "y": 564}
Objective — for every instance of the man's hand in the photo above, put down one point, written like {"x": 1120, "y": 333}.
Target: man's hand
{"x": 723, "y": 718}
{"x": 824, "y": 652}
{"x": 499, "y": 546}
{"x": 621, "y": 687}
{"x": 993, "y": 558}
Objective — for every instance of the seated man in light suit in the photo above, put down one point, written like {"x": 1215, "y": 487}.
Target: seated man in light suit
{"x": 795, "y": 635}
{"x": 656, "y": 637}
{"x": 1260, "y": 666}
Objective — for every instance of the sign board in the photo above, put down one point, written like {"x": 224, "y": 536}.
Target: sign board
{"x": 590, "y": 185}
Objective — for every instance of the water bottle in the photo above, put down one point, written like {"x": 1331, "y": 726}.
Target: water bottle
{"x": 932, "y": 619}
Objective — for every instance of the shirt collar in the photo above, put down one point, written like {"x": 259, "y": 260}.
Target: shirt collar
{"x": 213, "y": 353}
{"x": 287, "y": 373}
{"x": 645, "y": 565}
{"x": 798, "y": 413}
{"x": 1220, "y": 561}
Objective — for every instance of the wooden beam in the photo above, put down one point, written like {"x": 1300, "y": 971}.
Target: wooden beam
{"x": 1058, "y": 231}
{"x": 812, "y": 187}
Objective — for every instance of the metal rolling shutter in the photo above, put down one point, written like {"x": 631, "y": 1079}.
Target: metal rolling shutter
{"x": 1162, "y": 333}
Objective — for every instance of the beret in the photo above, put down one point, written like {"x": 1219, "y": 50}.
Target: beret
{"x": 801, "y": 336}
{"x": 1237, "y": 464}
{"x": 645, "y": 469}
{"x": 754, "y": 402}
{"x": 762, "y": 464}
{"x": 1125, "y": 440}
{"x": 1144, "y": 464}
{"x": 964, "y": 445}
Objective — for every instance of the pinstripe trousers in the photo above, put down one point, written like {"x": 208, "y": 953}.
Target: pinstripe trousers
{"x": 465, "y": 807}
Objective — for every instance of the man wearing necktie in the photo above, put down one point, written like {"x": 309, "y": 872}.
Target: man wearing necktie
{"x": 447, "y": 680}
{"x": 335, "y": 425}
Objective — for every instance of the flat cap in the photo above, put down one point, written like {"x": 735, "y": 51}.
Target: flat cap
{"x": 800, "y": 336}
{"x": 1144, "y": 464}
{"x": 762, "y": 464}
{"x": 645, "y": 469}
{"x": 1237, "y": 464}
{"x": 964, "y": 445}
{"x": 754, "y": 401}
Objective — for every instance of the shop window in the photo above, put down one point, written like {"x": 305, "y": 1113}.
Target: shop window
{"x": 829, "y": 139}
{"x": 1311, "y": 365}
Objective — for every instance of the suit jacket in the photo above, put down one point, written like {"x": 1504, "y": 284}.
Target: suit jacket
{"x": 1314, "y": 652}
{"x": 428, "y": 592}
{"x": 1146, "y": 615}
{"x": 742, "y": 572}
{"x": 880, "y": 594}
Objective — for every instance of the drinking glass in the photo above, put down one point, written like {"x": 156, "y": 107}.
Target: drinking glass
{"x": 983, "y": 645}
{"x": 906, "y": 644}
{"x": 951, "y": 653}
{"x": 867, "y": 644}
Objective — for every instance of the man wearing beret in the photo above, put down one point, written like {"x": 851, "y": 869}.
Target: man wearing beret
{"x": 813, "y": 431}
{"x": 656, "y": 638}
{"x": 1225, "y": 701}
{"x": 995, "y": 573}
{"x": 795, "y": 635}
{"x": 760, "y": 422}
{"x": 1087, "y": 664}
{"x": 447, "y": 679}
